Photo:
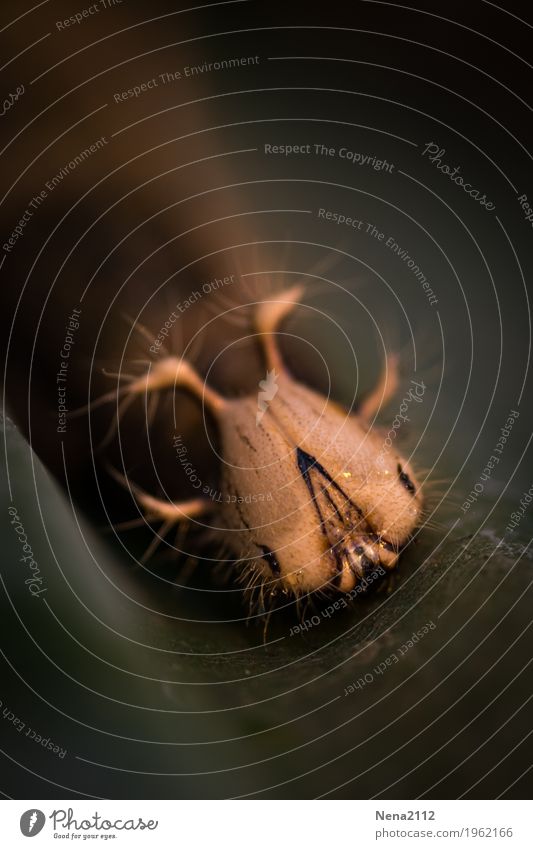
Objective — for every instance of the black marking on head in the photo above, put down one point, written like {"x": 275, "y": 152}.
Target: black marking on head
{"x": 306, "y": 462}
{"x": 306, "y": 465}
{"x": 406, "y": 480}
{"x": 270, "y": 558}
{"x": 245, "y": 439}
{"x": 239, "y": 510}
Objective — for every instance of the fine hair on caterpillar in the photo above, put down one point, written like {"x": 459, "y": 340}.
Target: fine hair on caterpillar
{"x": 339, "y": 507}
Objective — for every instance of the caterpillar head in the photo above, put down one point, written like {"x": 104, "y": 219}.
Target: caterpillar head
{"x": 313, "y": 496}
{"x": 312, "y": 492}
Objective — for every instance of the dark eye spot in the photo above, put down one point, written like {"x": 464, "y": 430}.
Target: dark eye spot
{"x": 406, "y": 480}
{"x": 271, "y": 559}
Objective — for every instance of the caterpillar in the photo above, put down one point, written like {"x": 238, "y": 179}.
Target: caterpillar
{"x": 309, "y": 499}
